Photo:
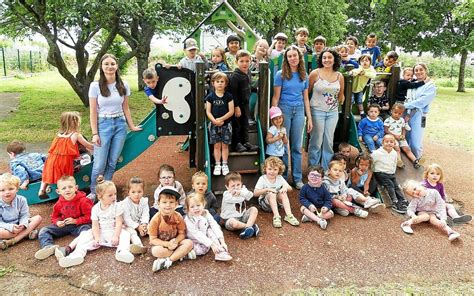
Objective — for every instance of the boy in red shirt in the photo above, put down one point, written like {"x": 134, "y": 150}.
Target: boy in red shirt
{"x": 71, "y": 215}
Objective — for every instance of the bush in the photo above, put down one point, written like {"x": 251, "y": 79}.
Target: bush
{"x": 439, "y": 66}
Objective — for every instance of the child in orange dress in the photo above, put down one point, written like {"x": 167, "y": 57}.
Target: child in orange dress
{"x": 63, "y": 151}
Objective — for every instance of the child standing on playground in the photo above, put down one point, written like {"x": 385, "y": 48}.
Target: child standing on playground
{"x": 315, "y": 199}
{"x": 107, "y": 222}
{"x": 167, "y": 231}
{"x": 150, "y": 78}
{"x": 260, "y": 54}
{"x": 384, "y": 167}
{"x": 219, "y": 111}
{"x": 234, "y": 211}
{"x": 218, "y": 60}
{"x": 203, "y": 230}
{"x": 276, "y": 138}
{"x": 301, "y": 36}
{"x": 354, "y": 53}
{"x": 362, "y": 179}
{"x": 278, "y": 45}
{"x": 396, "y": 126}
{"x": 15, "y": 221}
{"x": 233, "y": 46}
{"x": 71, "y": 215}
{"x": 372, "y": 49}
{"x": 426, "y": 205}
{"x": 343, "y": 51}
{"x": 272, "y": 188}
{"x": 63, "y": 151}
{"x": 433, "y": 177}
{"x": 192, "y": 57}
{"x": 389, "y": 60}
{"x": 136, "y": 214}
{"x": 26, "y": 166}
{"x": 199, "y": 183}
{"x": 380, "y": 98}
{"x": 370, "y": 128}
{"x": 403, "y": 85}
{"x": 362, "y": 75}
{"x": 241, "y": 90}
{"x": 166, "y": 177}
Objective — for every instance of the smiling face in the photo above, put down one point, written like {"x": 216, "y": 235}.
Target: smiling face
{"x": 315, "y": 179}
{"x": 388, "y": 62}
{"x": 8, "y": 192}
{"x": 262, "y": 47}
{"x": 388, "y": 143}
{"x": 166, "y": 178}
{"x": 109, "y": 66}
{"x": 370, "y": 42}
{"x": 135, "y": 192}
{"x": 415, "y": 190}
{"x": 352, "y": 46}
{"x": 200, "y": 185}
{"x": 67, "y": 189}
{"x": 271, "y": 171}
{"x": 277, "y": 121}
{"x": 408, "y": 74}
{"x": 233, "y": 47}
{"x": 344, "y": 53}
{"x": 167, "y": 204}
{"x": 293, "y": 58}
{"x": 243, "y": 63}
{"x": 195, "y": 207}
{"x": 328, "y": 60}
{"x": 280, "y": 44}
{"x": 420, "y": 72}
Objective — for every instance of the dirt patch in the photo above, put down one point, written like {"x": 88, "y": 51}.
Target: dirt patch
{"x": 9, "y": 103}
{"x": 351, "y": 253}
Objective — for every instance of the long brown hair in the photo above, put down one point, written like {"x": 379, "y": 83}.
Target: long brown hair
{"x": 286, "y": 70}
{"x": 104, "y": 90}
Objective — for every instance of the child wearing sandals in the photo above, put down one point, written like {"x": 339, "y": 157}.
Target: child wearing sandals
{"x": 426, "y": 205}
{"x": 167, "y": 231}
{"x": 272, "y": 188}
{"x": 15, "y": 221}
{"x": 136, "y": 214}
{"x": 234, "y": 211}
{"x": 203, "y": 230}
{"x": 433, "y": 179}
{"x": 362, "y": 179}
{"x": 342, "y": 196}
{"x": 314, "y": 196}
{"x": 107, "y": 230}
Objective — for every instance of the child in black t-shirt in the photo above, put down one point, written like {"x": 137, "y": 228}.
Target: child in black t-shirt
{"x": 219, "y": 110}
{"x": 406, "y": 83}
{"x": 380, "y": 98}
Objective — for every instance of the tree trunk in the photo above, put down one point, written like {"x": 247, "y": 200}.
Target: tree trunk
{"x": 462, "y": 68}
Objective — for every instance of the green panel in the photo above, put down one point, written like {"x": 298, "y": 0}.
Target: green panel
{"x": 250, "y": 40}
{"x": 353, "y": 139}
{"x": 222, "y": 14}
{"x": 197, "y": 35}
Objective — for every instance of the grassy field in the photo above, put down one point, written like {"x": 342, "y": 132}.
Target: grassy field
{"x": 45, "y": 96}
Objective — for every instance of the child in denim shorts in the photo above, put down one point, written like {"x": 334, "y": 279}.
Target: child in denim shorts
{"x": 219, "y": 110}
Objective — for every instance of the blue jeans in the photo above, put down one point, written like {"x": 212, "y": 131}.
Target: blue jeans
{"x": 322, "y": 137}
{"x": 415, "y": 136}
{"x": 358, "y": 98}
{"x": 49, "y": 232}
{"x": 112, "y": 133}
{"x": 294, "y": 124}
{"x": 371, "y": 144}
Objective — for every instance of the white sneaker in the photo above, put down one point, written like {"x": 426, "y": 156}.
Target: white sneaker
{"x": 299, "y": 185}
{"x": 91, "y": 196}
{"x": 323, "y": 223}
{"x": 45, "y": 252}
{"x": 360, "y": 213}
{"x": 406, "y": 228}
{"x": 191, "y": 255}
{"x": 305, "y": 219}
{"x": 370, "y": 202}
{"x": 225, "y": 169}
{"x": 217, "y": 170}
{"x": 453, "y": 235}
{"x": 376, "y": 208}
{"x": 70, "y": 261}
{"x": 158, "y": 264}
{"x": 342, "y": 212}
{"x": 124, "y": 256}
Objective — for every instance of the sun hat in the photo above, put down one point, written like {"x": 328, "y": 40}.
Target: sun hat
{"x": 281, "y": 36}
{"x": 275, "y": 112}
{"x": 190, "y": 44}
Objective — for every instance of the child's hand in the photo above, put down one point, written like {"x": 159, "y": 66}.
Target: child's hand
{"x": 202, "y": 55}
{"x": 96, "y": 243}
{"x": 115, "y": 241}
{"x": 362, "y": 73}
{"x": 143, "y": 228}
{"x": 312, "y": 208}
{"x": 69, "y": 221}
{"x": 18, "y": 228}
{"x": 375, "y": 137}
{"x": 96, "y": 140}
{"x": 237, "y": 112}
{"x": 360, "y": 139}
{"x": 164, "y": 100}
{"x": 366, "y": 192}
{"x": 271, "y": 190}
{"x": 24, "y": 186}
{"x": 283, "y": 190}
{"x": 60, "y": 224}
{"x": 136, "y": 128}
{"x": 219, "y": 122}
{"x": 172, "y": 244}
{"x": 324, "y": 210}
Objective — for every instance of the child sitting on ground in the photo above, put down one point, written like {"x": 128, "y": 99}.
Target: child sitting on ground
{"x": 433, "y": 179}
{"x": 71, "y": 215}
{"x": 384, "y": 167}
{"x": 380, "y": 98}
{"x": 301, "y": 36}
{"x": 219, "y": 111}
{"x": 276, "y": 138}
{"x": 107, "y": 222}
{"x": 15, "y": 221}
{"x": 313, "y": 196}
{"x": 370, "y": 128}
{"x": 362, "y": 179}
{"x": 342, "y": 197}
{"x": 278, "y": 45}
{"x": 192, "y": 57}
{"x": 150, "y": 78}
{"x": 63, "y": 151}
{"x": 362, "y": 75}
{"x": 350, "y": 152}
{"x": 344, "y": 160}
{"x": 203, "y": 230}
{"x": 426, "y": 205}
{"x": 136, "y": 214}
{"x": 167, "y": 231}
{"x": 272, "y": 188}
{"x": 199, "y": 185}
{"x": 403, "y": 85}
{"x": 233, "y": 46}
{"x": 234, "y": 210}
{"x": 26, "y": 166}
{"x": 396, "y": 126}
{"x": 166, "y": 177}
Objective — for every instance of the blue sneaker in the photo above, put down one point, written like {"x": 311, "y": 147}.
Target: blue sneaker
{"x": 248, "y": 232}
{"x": 256, "y": 230}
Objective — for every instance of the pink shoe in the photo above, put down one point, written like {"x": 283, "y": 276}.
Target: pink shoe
{"x": 223, "y": 256}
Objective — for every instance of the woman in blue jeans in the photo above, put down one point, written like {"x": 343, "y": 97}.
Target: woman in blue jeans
{"x": 109, "y": 116}
{"x": 328, "y": 93}
{"x": 290, "y": 93}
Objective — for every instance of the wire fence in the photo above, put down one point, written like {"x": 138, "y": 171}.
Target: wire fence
{"x": 14, "y": 61}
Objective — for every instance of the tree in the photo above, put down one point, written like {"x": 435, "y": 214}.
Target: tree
{"x": 71, "y": 24}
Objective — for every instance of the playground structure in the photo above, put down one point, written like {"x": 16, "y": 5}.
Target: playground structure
{"x": 185, "y": 115}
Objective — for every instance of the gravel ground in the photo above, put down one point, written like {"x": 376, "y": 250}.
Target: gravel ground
{"x": 352, "y": 255}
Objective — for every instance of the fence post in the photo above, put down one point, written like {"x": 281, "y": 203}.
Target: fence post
{"x": 4, "y": 64}
{"x": 19, "y": 64}
{"x": 31, "y": 62}
{"x": 347, "y": 105}
{"x": 392, "y": 84}
{"x": 200, "y": 114}
{"x": 263, "y": 90}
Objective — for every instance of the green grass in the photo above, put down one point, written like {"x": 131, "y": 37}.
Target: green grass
{"x": 44, "y": 98}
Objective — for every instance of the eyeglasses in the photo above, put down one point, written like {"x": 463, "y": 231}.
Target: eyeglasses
{"x": 314, "y": 176}
{"x": 166, "y": 177}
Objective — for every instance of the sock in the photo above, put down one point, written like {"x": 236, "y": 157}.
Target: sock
{"x": 218, "y": 163}
{"x": 362, "y": 112}
{"x": 224, "y": 163}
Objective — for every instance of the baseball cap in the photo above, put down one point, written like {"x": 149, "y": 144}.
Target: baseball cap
{"x": 190, "y": 44}
{"x": 275, "y": 112}
{"x": 281, "y": 36}
{"x": 169, "y": 190}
